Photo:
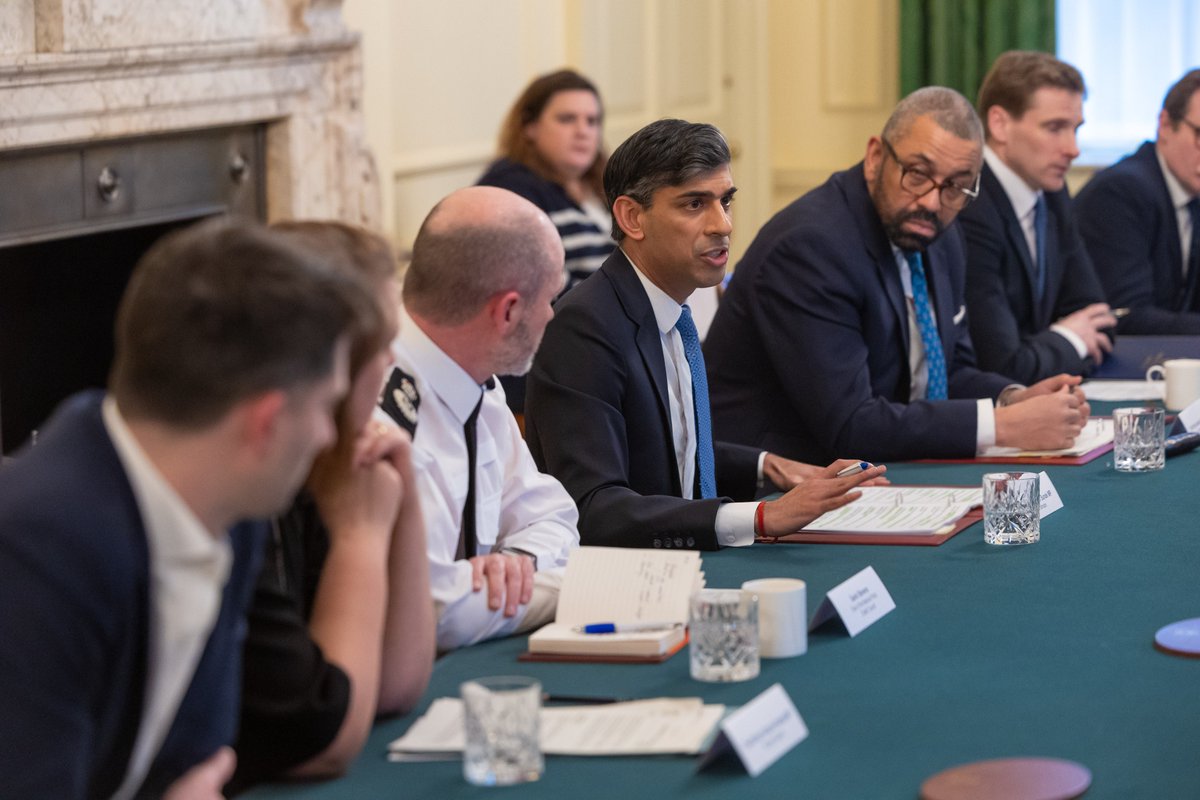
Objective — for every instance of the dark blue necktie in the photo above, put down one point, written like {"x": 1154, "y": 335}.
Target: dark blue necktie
{"x": 1039, "y": 233}
{"x": 704, "y": 446}
{"x": 935, "y": 360}
{"x": 1191, "y": 297}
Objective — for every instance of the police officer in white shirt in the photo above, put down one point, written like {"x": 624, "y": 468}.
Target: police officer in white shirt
{"x": 486, "y": 266}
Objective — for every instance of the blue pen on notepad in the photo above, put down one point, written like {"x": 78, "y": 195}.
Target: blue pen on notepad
{"x": 626, "y": 627}
{"x": 854, "y": 469}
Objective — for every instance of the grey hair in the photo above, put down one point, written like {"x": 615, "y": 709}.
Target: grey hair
{"x": 455, "y": 269}
{"x": 950, "y": 110}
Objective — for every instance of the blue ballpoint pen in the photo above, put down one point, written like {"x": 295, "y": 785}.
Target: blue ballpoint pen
{"x": 626, "y": 627}
{"x": 854, "y": 469}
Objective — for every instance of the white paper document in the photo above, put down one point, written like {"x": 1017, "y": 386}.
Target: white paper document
{"x": 640, "y": 727}
{"x": 1113, "y": 390}
{"x": 623, "y": 584}
{"x": 900, "y": 510}
{"x": 1096, "y": 433}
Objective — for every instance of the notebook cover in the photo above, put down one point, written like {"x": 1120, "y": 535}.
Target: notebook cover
{"x": 597, "y": 658}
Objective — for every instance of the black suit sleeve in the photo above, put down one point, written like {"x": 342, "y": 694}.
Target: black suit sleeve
{"x": 1118, "y": 226}
{"x": 581, "y": 414}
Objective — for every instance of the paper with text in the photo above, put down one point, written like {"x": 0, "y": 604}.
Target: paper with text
{"x": 1096, "y": 433}
{"x": 1050, "y": 501}
{"x": 760, "y": 732}
{"x": 859, "y": 602}
{"x": 1115, "y": 390}
{"x": 900, "y": 510}
{"x": 640, "y": 727}
{"x": 623, "y": 584}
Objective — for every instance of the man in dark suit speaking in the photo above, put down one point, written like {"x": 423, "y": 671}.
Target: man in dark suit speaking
{"x": 844, "y": 329}
{"x": 125, "y": 570}
{"x": 1140, "y": 221}
{"x": 617, "y": 400}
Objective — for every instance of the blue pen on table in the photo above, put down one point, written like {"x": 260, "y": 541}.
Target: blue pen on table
{"x": 854, "y": 469}
{"x": 626, "y": 627}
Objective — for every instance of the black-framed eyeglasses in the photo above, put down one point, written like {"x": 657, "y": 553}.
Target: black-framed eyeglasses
{"x": 951, "y": 195}
{"x": 1195, "y": 130}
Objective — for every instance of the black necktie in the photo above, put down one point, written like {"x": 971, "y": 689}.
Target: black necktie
{"x": 1191, "y": 298}
{"x": 467, "y": 542}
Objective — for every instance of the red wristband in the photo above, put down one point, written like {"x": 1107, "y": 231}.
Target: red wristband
{"x": 758, "y": 519}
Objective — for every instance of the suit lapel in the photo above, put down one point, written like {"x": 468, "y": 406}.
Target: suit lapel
{"x": 880, "y": 251}
{"x": 1053, "y": 267}
{"x": 1015, "y": 235}
{"x": 943, "y": 299}
{"x": 632, "y": 296}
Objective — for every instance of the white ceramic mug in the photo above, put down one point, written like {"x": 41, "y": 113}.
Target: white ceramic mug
{"x": 1183, "y": 381}
{"x": 782, "y": 616}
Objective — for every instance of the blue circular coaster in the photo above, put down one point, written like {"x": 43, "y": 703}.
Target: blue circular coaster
{"x": 1180, "y": 638}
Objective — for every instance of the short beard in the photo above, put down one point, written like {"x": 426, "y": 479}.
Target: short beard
{"x": 912, "y": 241}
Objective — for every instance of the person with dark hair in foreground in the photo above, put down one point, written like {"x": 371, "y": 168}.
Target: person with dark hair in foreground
{"x": 341, "y": 627}
{"x": 618, "y": 405}
{"x": 126, "y": 570}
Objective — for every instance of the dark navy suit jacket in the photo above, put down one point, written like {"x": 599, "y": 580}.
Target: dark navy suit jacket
{"x": 1129, "y": 228}
{"x": 74, "y": 609}
{"x": 1010, "y": 326}
{"x": 808, "y": 354}
{"x": 596, "y": 418}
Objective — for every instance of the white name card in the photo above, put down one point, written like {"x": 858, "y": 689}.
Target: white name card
{"x": 858, "y": 602}
{"x": 1190, "y": 416}
{"x": 1051, "y": 502}
{"x": 760, "y": 732}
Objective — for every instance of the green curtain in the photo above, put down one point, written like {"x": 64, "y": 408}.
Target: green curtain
{"x": 953, "y": 42}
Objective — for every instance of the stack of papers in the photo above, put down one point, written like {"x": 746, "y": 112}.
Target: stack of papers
{"x": 1096, "y": 433}
{"x": 900, "y": 510}
{"x": 683, "y": 725}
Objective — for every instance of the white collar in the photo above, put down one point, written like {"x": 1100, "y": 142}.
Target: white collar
{"x": 1179, "y": 195}
{"x": 1019, "y": 194}
{"x": 176, "y": 535}
{"x": 440, "y": 372}
{"x": 666, "y": 310}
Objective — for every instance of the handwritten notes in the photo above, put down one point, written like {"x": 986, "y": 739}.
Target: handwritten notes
{"x": 621, "y": 584}
{"x": 900, "y": 510}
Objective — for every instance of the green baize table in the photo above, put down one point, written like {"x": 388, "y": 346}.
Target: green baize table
{"x": 991, "y": 652}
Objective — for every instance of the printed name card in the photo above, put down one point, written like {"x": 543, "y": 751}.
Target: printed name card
{"x": 858, "y": 602}
{"x": 759, "y": 732}
{"x": 1051, "y": 502}
{"x": 1190, "y": 416}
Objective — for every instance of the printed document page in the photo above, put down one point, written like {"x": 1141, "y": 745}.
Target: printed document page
{"x": 900, "y": 510}
{"x": 640, "y": 727}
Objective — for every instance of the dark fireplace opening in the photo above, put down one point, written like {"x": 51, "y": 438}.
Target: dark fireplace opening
{"x": 56, "y": 330}
{"x": 73, "y": 223}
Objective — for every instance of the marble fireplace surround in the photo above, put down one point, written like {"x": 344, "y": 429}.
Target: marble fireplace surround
{"x": 75, "y": 71}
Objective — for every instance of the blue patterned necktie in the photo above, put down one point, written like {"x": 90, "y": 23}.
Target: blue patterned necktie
{"x": 704, "y": 445}
{"x": 1039, "y": 233}
{"x": 935, "y": 360}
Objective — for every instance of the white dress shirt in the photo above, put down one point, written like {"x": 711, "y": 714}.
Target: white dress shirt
{"x": 517, "y": 507}
{"x": 1183, "y": 219}
{"x": 189, "y": 567}
{"x": 734, "y": 525}
{"x": 1024, "y": 201}
{"x": 918, "y": 369}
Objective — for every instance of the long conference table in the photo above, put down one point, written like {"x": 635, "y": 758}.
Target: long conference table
{"x": 991, "y": 652}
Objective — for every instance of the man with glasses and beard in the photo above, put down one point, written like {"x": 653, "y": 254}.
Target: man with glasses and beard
{"x": 844, "y": 328}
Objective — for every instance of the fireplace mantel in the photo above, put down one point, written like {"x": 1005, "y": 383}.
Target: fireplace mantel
{"x": 74, "y": 71}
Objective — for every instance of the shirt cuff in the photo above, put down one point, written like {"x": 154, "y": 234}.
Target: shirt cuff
{"x": 985, "y": 425}
{"x": 735, "y": 524}
{"x": 1073, "y": 338}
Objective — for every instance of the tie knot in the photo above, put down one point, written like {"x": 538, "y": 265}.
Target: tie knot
{"x": 684, "y": 324}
